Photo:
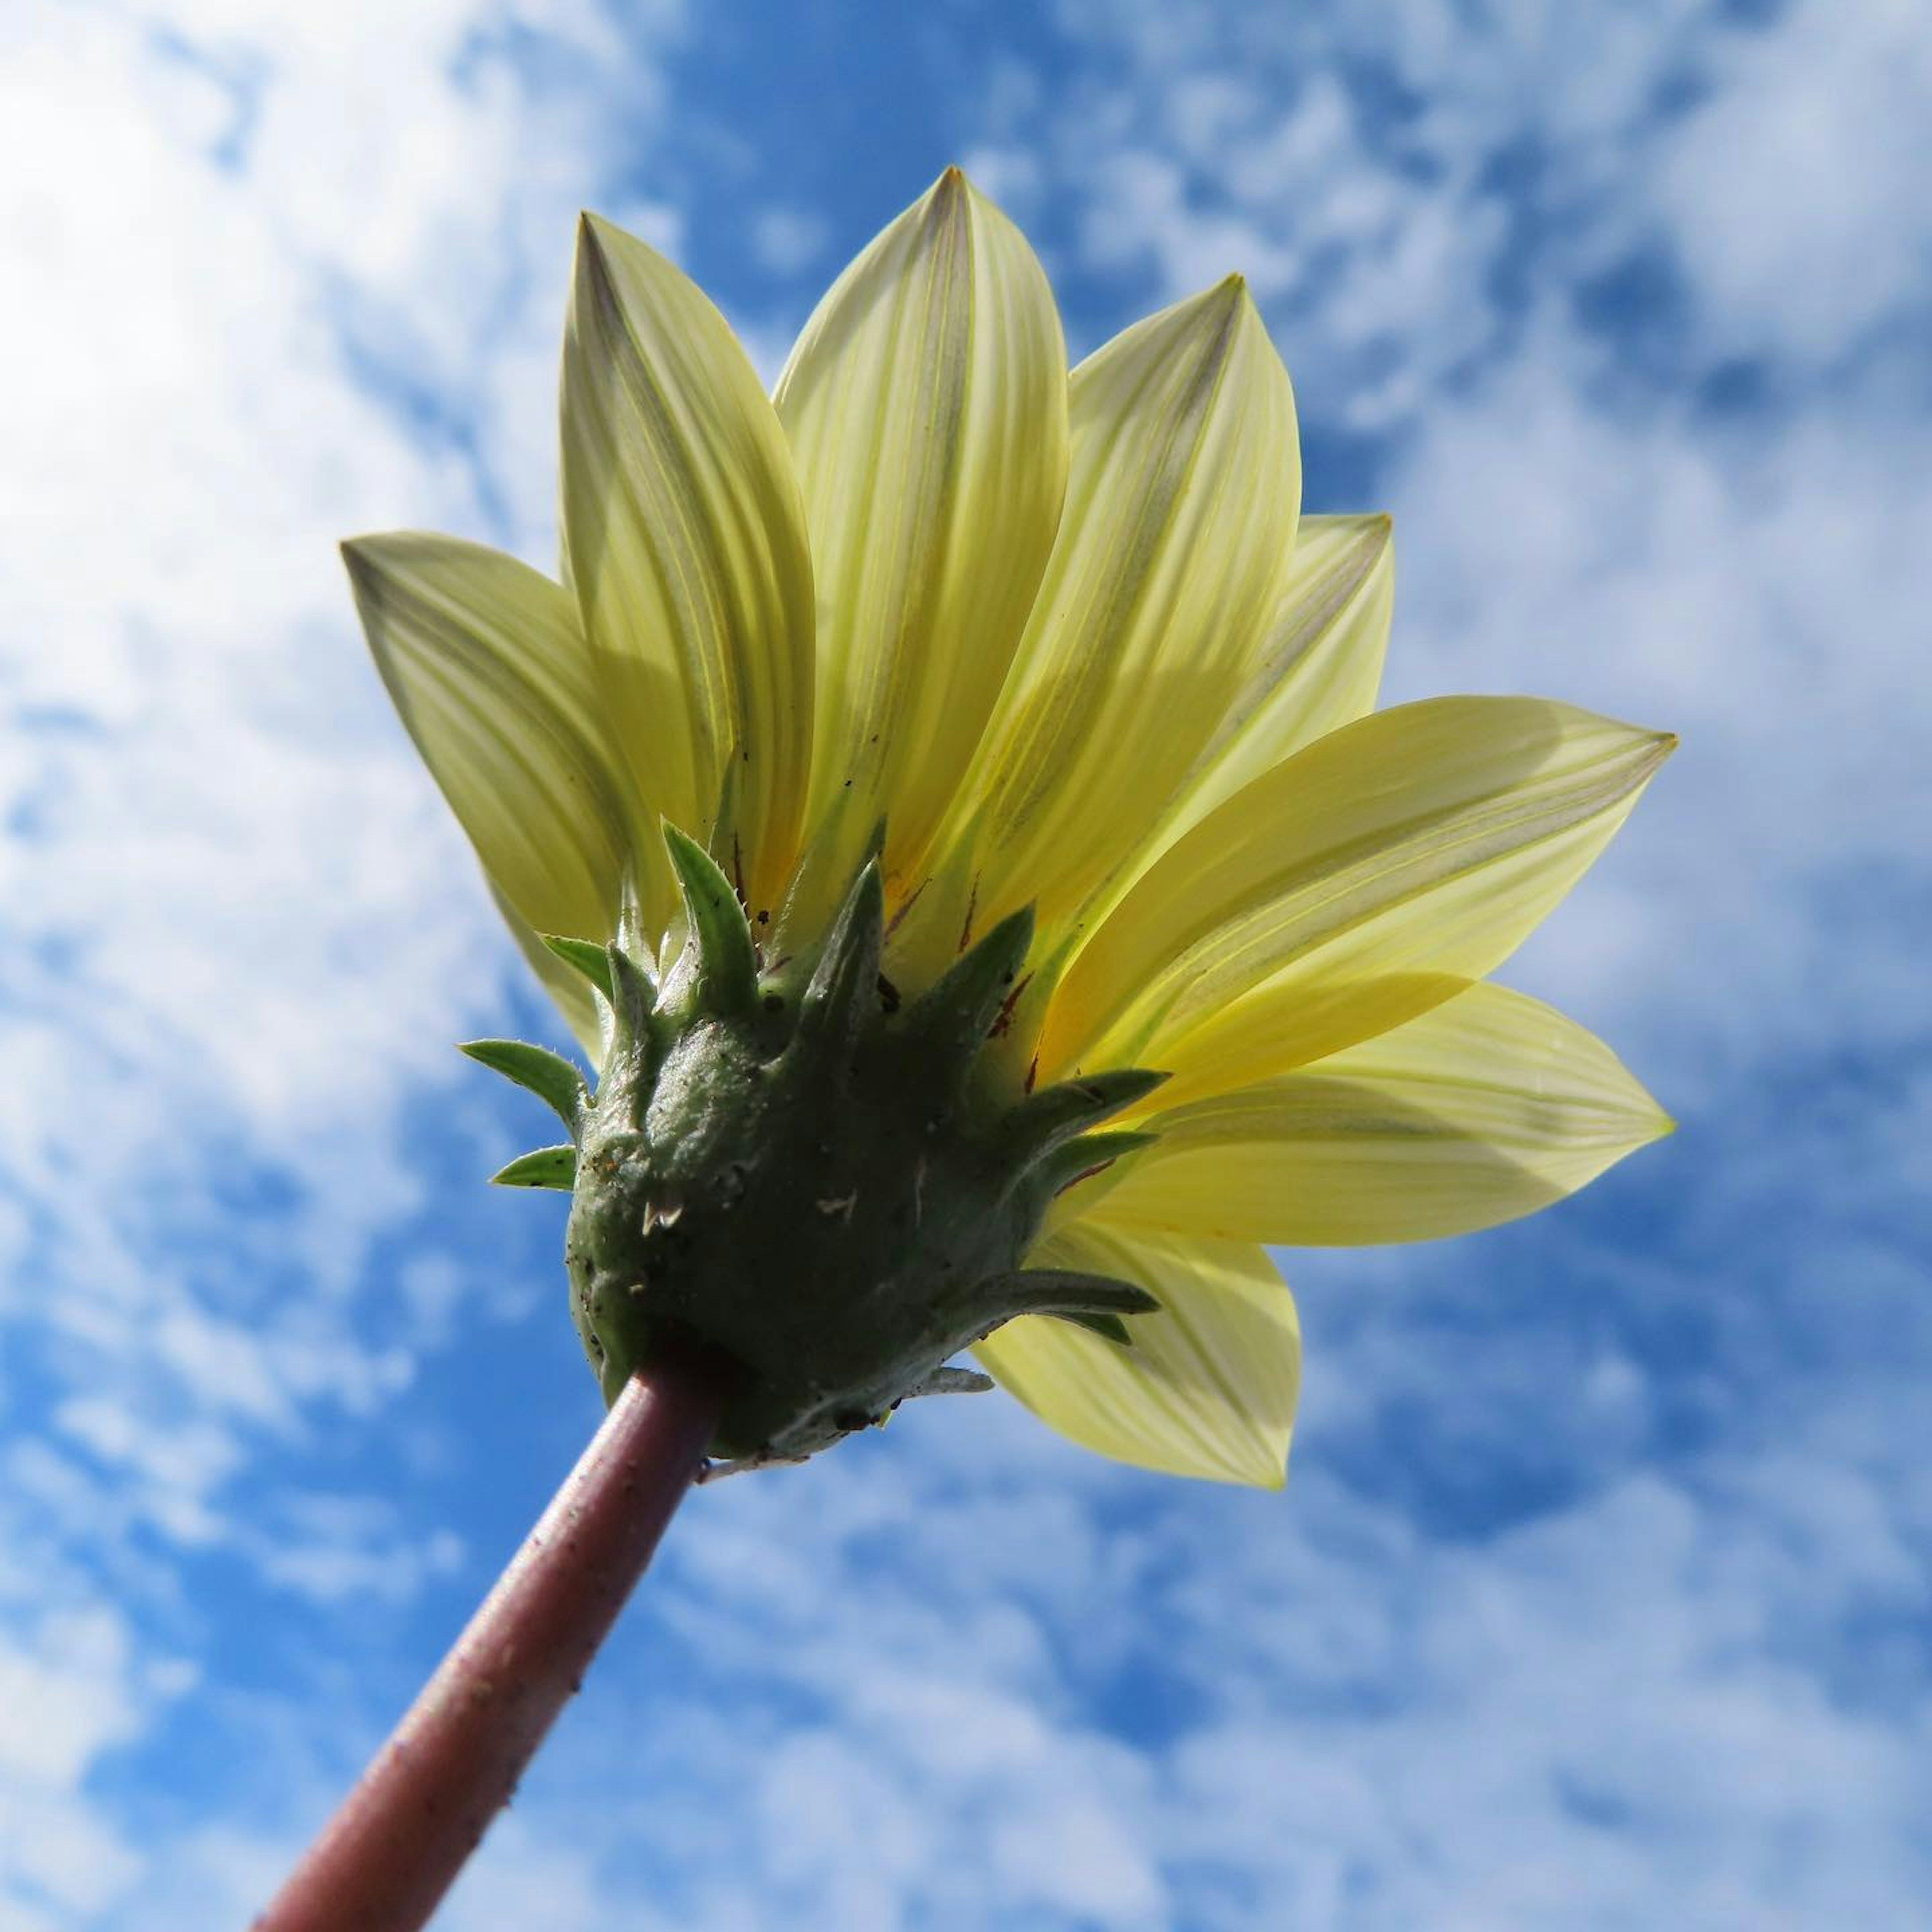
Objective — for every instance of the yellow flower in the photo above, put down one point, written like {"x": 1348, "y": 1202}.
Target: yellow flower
{"x": 1070, "y": 641}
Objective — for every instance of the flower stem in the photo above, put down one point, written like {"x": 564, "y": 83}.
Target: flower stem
{"x": 398, "y": 1839}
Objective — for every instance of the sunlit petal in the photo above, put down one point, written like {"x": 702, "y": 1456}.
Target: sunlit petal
{"x": 1318, "y": 666}
{"x": 926, "y": 406}
{"x": 1181, "y": 503}
{"x": 1350, "y": 889}
{"x": 484, "y": 660}
{"x": 1209, "y": 1386}
{"x": 1490, "y": 1106}
{"x": 685, "y": 546}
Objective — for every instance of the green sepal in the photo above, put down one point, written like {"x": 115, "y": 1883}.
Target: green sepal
{"x": 964, "y": 1003}
{"x": 633, "y": 996}
{"x": 547, "y": 1167}
{"x": 632, "y": 1053}
{"x": 946, "y": 1380}
{"x": 843, "y": 987}
{"x": 633, "y": 933}
{"x": 551, "y": 1077}
{"x": 1060, "y": 1292}
{"x": 726, "y": 978}
{"x": 1074, "y": 1160}
{"x": 1069, "y": 1293}
{"x": 585, "y": 954}
{"x": 1042, "y": 1121}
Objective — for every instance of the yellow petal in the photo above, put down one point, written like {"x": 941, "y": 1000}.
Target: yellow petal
{"x": 1350, "y": 889}
{"x": 1319, "y": 664}
{"x": 1181, "y": 502}
{"x": 1208, "y": 1388}
{"x": 685, "y": 543}
{"x": 1489, "y": 1107}
{"x": 926, "y": 406}
{"x": 485, "y": 663}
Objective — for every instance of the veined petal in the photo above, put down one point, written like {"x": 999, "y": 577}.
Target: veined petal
{"x": 926, "y": 406}
{"x": 1319, "y": 664}
{"x": 1208, "y": 1388}
{"x": 1182, "y": 495}
{"x": 486, "y": 667}
{"x": 685, "y": 543}
{"x": 1489, "y": 1107}
{"x": 1349, "y": 889}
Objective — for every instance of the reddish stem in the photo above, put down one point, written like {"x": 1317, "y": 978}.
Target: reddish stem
{"x": 396, "y": 1842}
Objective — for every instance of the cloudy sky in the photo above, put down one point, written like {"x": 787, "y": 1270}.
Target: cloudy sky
{"x": 1598, "y": 1596}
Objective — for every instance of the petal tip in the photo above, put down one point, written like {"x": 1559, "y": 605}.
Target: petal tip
{"x": 948, "y": 208}
{"x": 1225, "y": 300}
{"x": 599, "y": 238}
{"x": 1653, "y": 748}
{"x": 1270, "y": 1476}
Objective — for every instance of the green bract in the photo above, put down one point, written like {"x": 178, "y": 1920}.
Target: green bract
{"x": 832, "y": 1188}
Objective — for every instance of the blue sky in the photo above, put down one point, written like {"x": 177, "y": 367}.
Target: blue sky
{"x": 1598, "y": 1597}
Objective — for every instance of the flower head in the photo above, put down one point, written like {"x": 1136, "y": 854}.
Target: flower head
{"x": 913, "y": 767}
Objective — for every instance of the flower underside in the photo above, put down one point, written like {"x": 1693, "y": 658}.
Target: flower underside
{"x": 822, "y": 1183}
{"x": 946, "y": 799}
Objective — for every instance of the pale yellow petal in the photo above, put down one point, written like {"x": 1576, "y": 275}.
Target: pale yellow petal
{"x": 1181, "y": 503}
{"x": 1319, "y": 665}
{"x": 1489, "y": 1107}
{"x": 1350, "y": 889}
{"x": 926, "y": 406}
{"x": 685, "y": 543}
{"x": 1209, "y": 1387}
{"x": 484, "y": 662}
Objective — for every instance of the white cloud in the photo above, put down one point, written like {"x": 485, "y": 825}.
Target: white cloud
{"x": 244, "y": 896}
{"x": 1793, "y": 193}
{"x": 67, "y": 1687}
{"x": 237, "y": 933}
{"x": 787, "y": 240}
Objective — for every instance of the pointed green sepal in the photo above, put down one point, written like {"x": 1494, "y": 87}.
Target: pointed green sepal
{"x": 1068, "y": 1291}
{"x": 547, "y": 1167}
{"x": 1075, "y": 1159}
{"x": 634, "y": 1050}
{"x": 948, "y": 1381}
{"x": 586, "y": 955}
{"x": 1043, "y": 1120}
{"x": 1091, "y": 1298}
{"x": 844, "y": 986}
{"x": 726, "y": 978}
{"x": 633, "y": 994}
{"x": 551, "y": 1077}
{"x": 964, "y": 1003}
